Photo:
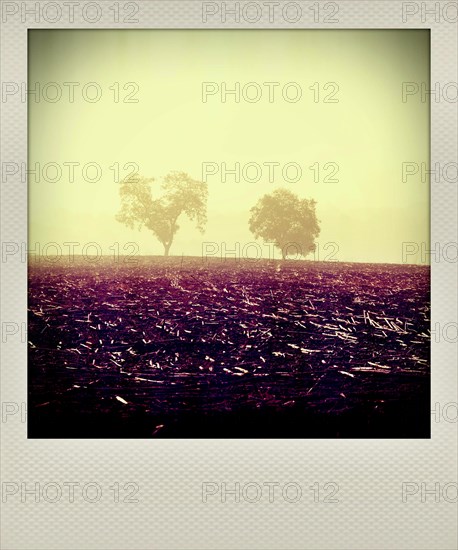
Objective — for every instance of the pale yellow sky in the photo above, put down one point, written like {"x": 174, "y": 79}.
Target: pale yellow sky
{"x": 369, "y": 133}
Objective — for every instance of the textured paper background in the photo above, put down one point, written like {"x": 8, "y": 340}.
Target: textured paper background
{"x": 171, "y": 514}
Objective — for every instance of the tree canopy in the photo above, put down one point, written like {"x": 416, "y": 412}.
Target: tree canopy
{"x": 286, "y": 220}
{"x": 180, "y": 195}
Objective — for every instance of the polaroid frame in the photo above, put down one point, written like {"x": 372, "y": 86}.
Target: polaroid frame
{"x": 144, "y": 494}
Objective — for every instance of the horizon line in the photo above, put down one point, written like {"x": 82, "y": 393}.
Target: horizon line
{"x": 221, "y": 258}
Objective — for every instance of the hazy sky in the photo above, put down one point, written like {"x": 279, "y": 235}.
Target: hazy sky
{"x": 369, "y": 212}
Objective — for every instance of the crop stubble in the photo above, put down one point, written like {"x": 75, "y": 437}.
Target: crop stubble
{"x": 188, "y": 347}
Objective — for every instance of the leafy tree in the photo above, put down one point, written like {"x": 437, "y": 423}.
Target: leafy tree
{"x": 181, "y": 195}
{"x": 285, "y": 219}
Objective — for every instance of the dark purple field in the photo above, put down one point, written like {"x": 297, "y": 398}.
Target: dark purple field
{"x": 186, "y": 348}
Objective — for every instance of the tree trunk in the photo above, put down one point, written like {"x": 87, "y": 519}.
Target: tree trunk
{"x": 167, "y": 248}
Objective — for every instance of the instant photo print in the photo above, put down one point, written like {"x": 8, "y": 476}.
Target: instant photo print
{"x": 229, "y": 266}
